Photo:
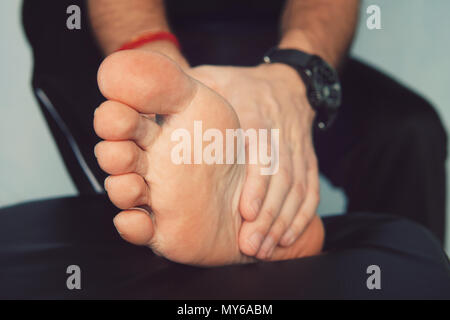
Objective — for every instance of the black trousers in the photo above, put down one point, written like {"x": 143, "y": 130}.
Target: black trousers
{"x": 387, "y": 148}
{"x": 40, "y": 240}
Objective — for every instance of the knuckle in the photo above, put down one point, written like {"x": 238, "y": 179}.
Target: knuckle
{"x": 270, "y": 213}
{"x": 299, "y": 223}
{"x": 274, "y": 234}
{"x": 285, "y": 175}
{"x": 299, "y": 189}
{"x": 280, "y": 226}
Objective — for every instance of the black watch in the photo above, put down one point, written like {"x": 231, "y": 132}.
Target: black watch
{"x": 321, "y": 80}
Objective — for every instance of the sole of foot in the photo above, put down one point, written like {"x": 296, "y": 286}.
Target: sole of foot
{"x": 187, "y": 213}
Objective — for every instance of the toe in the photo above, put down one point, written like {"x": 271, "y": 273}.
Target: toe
{"x": 154, "y": 83}
{"x": 116, "y": 121}
{"x": 120, "y": 157}
{"x": 135, "y": 226}
{"x": 127, "y": 191}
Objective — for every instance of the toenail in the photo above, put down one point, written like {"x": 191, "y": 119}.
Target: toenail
{"x": 115, "y": 226}
{"x": 255, "y": 240}
{"x": 105, "y": 183}
{"x": 288, "y": 238}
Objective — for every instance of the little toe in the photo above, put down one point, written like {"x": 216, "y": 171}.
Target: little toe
{"x": 135, "y": 226}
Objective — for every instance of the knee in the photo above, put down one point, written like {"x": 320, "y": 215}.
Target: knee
{"x": 410, "y": 237}
{"x": 420, "y": 124}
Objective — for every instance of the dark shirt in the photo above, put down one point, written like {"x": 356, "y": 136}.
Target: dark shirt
{"x": 226, "y": 10}
{"x": 229, "y": 32}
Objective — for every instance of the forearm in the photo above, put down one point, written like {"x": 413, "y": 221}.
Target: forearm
{"x": 117, "y": 22}
{"x": 322, "y": 27}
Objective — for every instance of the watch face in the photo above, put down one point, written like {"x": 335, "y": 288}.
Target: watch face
{"x": 325, "y": 90}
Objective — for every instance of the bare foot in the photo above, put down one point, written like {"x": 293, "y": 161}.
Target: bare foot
{"x": 194, "y": 215}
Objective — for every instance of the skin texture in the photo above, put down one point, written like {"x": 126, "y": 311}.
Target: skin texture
{"x": 195, "y": 216}
{"x": 261, "y": 96}
{"x": 276, "y": 209}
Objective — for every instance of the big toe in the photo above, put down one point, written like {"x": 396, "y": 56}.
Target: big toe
{"x": 147, "y": 81}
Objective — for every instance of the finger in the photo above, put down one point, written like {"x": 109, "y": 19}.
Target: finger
{"x": 253, "y": 233}
{"x": 306, "y": 212}
{"x": 120, "y": 157}
{"x": 310, "y": 242}
{"x": 153, "y": 83}
{"x": 253, "y": 193}
{"x": 289, "y": 210}
{"x": 115, "y": 121}
{"x": 127, "y": 191}
{"x": 134, "y": 226}
{"x": 284, "y": 220}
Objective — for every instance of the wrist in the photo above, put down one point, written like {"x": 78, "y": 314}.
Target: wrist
{"x": 282, "y": 73}
{"x": 289, "y": 78}
{"x": 301, "y": 40}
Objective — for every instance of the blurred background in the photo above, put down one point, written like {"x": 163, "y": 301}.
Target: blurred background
{"x": 413, "y": 46}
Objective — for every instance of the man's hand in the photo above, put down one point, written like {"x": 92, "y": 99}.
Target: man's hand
{"x": 277, "y": 208}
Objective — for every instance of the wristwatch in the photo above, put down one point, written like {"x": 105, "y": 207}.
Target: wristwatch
{"x": 321, "y": 80}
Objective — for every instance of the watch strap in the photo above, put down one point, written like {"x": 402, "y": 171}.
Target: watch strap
{"x": 288, "y": 56}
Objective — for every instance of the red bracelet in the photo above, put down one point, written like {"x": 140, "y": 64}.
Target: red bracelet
{"x": 150, "y": 37}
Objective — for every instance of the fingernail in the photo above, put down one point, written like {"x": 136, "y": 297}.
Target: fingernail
{"x": 267, "y": 248}
{"x": 256, "y": 204}
{"x": 255, "y": 240}
{"x": 288, "y": 238}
